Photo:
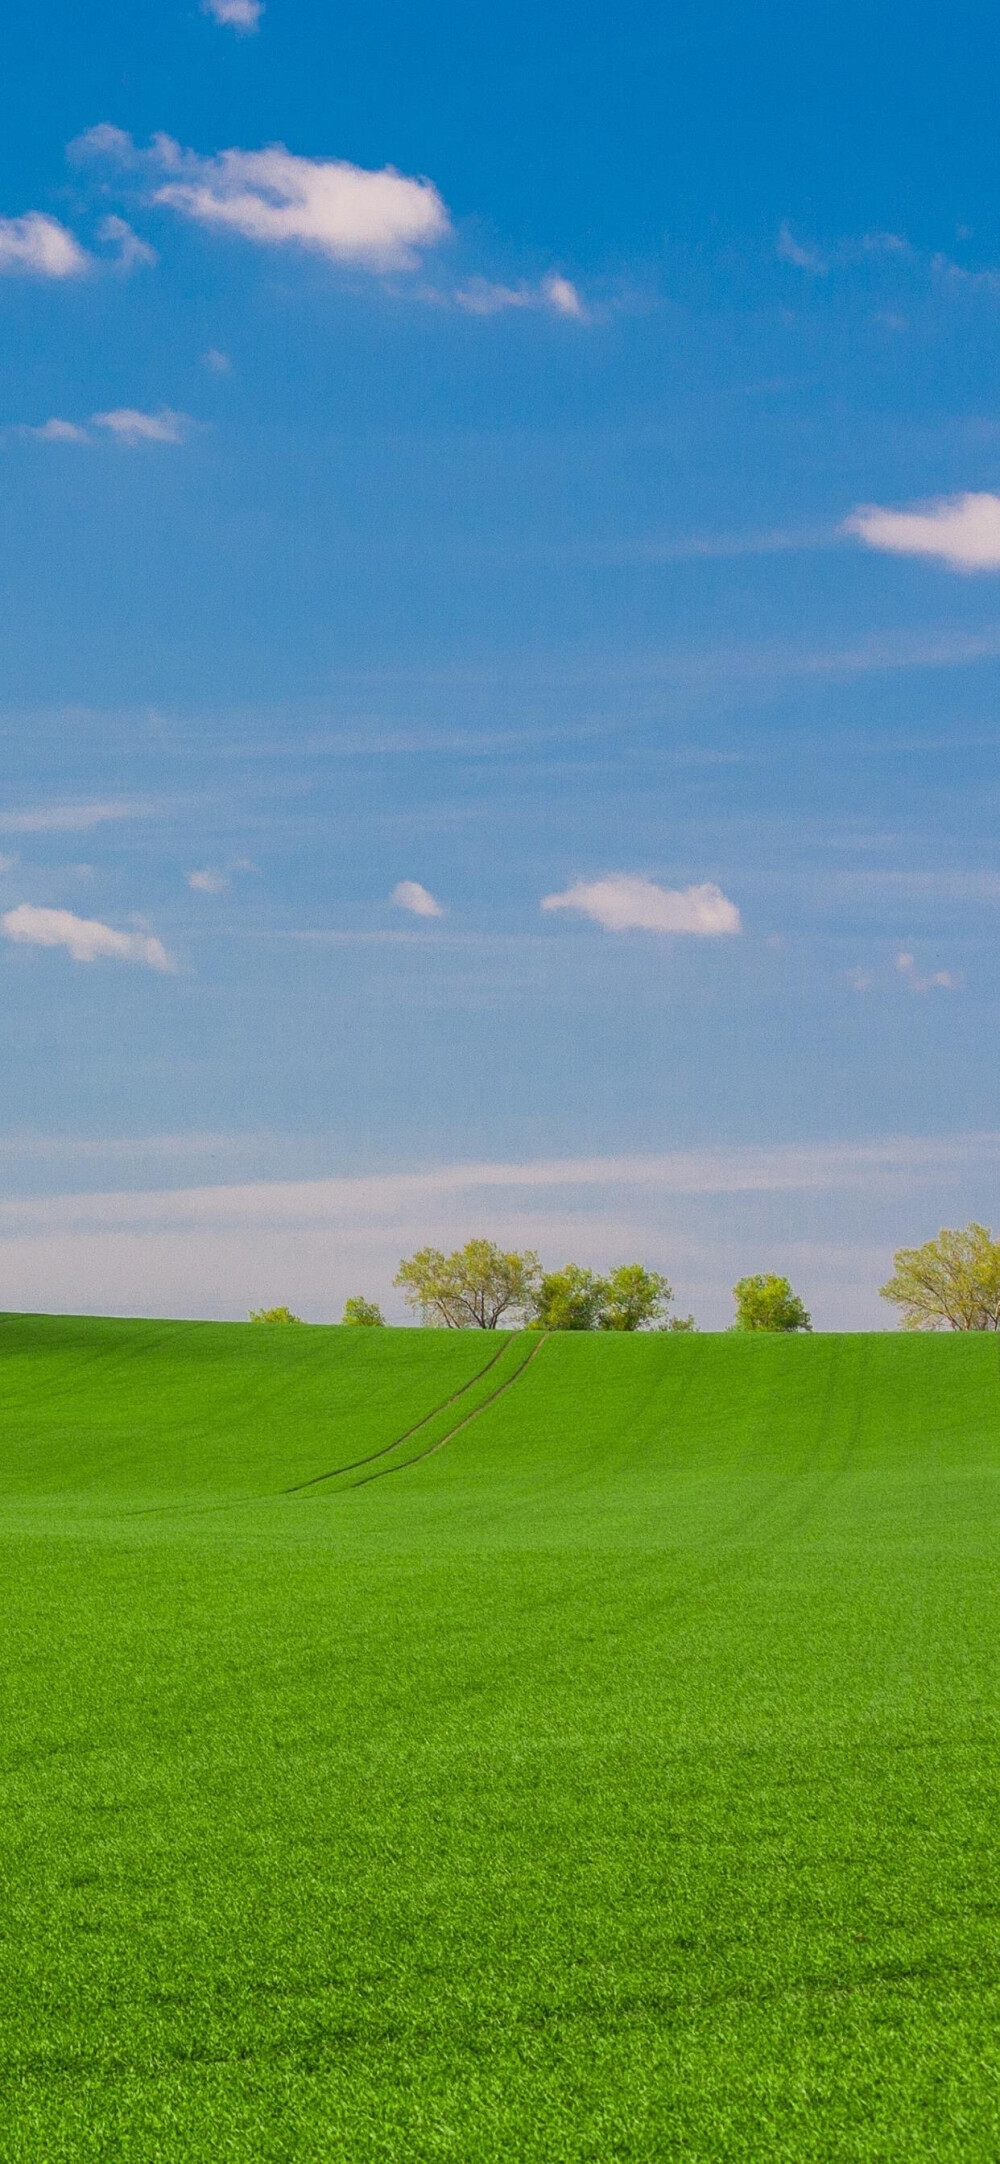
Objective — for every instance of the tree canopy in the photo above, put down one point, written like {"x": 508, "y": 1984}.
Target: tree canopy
{"x": 951, "y": 1283}
{"x": 635, "y": 1298}
{"x": 363, "y": 1314}
{"x": 767, "y": 1302}
{"x": 569, "y": 1299}
{"x": 274, "y": 1314}
{"x": 472, "y": 1289}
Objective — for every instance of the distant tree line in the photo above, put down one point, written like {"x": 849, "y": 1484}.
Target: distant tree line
{"x": 951, "y": 1283}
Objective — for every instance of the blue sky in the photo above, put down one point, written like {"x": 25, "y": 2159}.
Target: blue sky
{"x": 456, "y": 463}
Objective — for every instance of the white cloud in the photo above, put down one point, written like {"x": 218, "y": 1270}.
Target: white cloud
{"x": 207, "y": 882}
{"x": 409, "y": 894}
{"x": 133, "y": 253}
{"x": 347, "y": 212}
{"x": 623, "y": 902}
{"x": 483, "y": 297}
{"x": 961, "y": 531}
{"x": 129, "y": 426}
{"x": 125, "y": 423}
{"x": 239, "y": 15}
{"x": 57, "y": 431}
{"x": 219, "y": 363}
{"x": 793, "y": 251}
{"x": 562, "y": 295}
{"x": 940, "y": 981}
{"x": 38, "y": 246}
{"x": 84, "y": 938}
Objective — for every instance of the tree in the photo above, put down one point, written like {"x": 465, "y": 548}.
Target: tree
{"x": 634, "y": 1298}
{"x": 274, "y": 1314}
{"x": 364, "y": 1314}
{"x": 767, "y": 1302}
{"x": 951, "y": 1283}
{"x": 569, "y": 1299}
{"x": 471, "y": 1289}
{"x": 679, "y": 1322}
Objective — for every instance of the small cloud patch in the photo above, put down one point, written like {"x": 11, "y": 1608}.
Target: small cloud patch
{"x": 84, "y": 938}
{"x": 623, "y": 902}
{"x": 409, "y": 894}
{"x": 960, "y": 531}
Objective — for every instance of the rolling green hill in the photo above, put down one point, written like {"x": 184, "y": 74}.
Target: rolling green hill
{"x": 450, "y": 1746}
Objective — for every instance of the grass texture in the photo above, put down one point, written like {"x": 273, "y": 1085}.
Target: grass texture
{"x": 616, "y": 1779}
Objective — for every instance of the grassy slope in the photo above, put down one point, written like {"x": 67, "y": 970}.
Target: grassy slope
{"x": 618, "y": 1782}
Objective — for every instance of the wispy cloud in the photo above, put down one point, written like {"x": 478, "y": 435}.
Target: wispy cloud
{"x": 960, "y": 531}
{"x": 207, "y": 882}
{"x": 37, "y": 246}
{"x": 940, "y": 980}
{"x": 624, "y": 903}
{"x": 378, "y": 219}
{"x": 84, "y": 938}
{"x": 127, "y": 425}
{"x": 800, "y": 253}
{"x": 77, "y": 818}
{"x": 131, "y": 253}
{"x": 57, "y": 431}
{"x": 484, "y": 297}
{"x": 238, "y": 15}
{"x": 409, "y": 894}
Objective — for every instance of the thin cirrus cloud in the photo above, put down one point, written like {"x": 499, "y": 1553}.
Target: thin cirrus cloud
{"x": 409, "y": 894}
{"x": 207, "y": 882}
{"x": 481, "y": 297}
{"x": 346, "y": 212}
{"x": 623, "y": 903}
{"x": 960, "y": 531}
{"x": 84, "y": 938}
{"x": 239, "y": 15}
{"x": 37, "y": 246}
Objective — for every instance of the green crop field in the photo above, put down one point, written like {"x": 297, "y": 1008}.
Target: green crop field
{"x": 603, "y": 1767}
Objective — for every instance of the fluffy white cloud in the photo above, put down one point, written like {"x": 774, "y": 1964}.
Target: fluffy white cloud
{"x": 207, "y": 882}
{"x": 624, "y": 903}
{"x": 409, "y": 894}
{"x": 240, "y": 15}
{"x": 40, "y": 247}
{"x": 378, "y": 219}
{"x": 961, "y": 531}
{"x": 84, "y": 938}
{"x": 129, "y": 426}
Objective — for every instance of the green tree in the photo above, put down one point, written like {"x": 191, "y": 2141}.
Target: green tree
{"x": 634, "y": 1298}
{"x": 951, "y": 1283}
{"x": 679, "y": 1322}
{"x": 364, "y": 1314}
{"x": 767, "y": 1302}
{"x": 569, "y": 1299}
{"x": 472, "y": 1289}
{"x": 273, "y": 1314}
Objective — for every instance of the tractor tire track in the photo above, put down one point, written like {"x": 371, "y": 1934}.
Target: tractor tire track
{"x": 399, "y": 1440}
{"x": 500, "y": 1391}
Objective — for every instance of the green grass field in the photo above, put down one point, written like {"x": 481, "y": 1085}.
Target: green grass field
{"x": 614, "y": 1779}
